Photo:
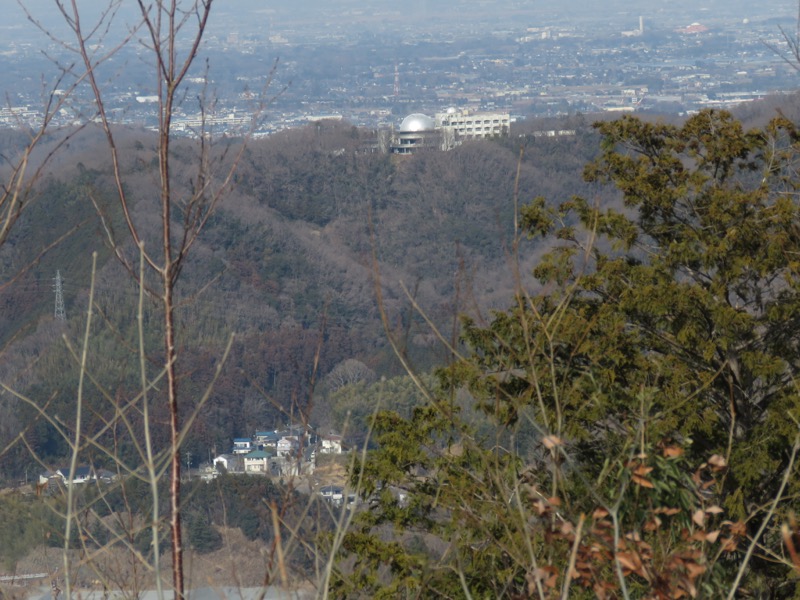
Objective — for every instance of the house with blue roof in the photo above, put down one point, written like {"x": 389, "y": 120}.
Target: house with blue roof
{"x": 242, "y": 445}
{"x": 265, "y": 439}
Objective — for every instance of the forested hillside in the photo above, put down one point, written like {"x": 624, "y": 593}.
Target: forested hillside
{"x": 286, "y": 264}
{"x": 568, "y": 364}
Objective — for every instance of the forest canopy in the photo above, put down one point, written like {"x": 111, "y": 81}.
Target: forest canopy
{"x": 643, "y": 402}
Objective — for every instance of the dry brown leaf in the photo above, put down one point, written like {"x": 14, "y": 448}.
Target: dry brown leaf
{"x": 667, "y": 511}
{"x": 531, "y": 584}
{"x": 788, "y": 540}
{"x": 599, "y": 513}
{"x": 641, "y": 481}
{"x": 551, "y": 441}
{"x": 699, "y": 517}
{"x": 642, "y": 470}
{"x": 672, "y": 452}
{"x": 600, "y": 591}
{"x": 547, "y": 575}
{"x": 714, "y": 510}
{"x": 712, "y": 537}
{"x": 628, "y": 561}
{"x": 739, "y": 528}
{"x": 729, "y": 544}
{"x": 653, "y": 524}
{"x": 694, "y": 570}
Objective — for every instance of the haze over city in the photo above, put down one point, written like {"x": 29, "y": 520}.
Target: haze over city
{"x": 370, "y": 63}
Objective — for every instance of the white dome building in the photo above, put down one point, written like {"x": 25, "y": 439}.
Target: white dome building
{"x": 417, "y": 131}
{"x": 416, "y": 122}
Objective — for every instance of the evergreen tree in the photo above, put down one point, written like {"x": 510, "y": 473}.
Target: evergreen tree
{"x": 203, "y": 538}
{"x": 690, "y": 293}
{"x": 651, "y": 377}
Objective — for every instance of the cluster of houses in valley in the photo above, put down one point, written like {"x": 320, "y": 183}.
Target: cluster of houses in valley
{"x": 49, "y": 480}
{"x": 290, "y": 452}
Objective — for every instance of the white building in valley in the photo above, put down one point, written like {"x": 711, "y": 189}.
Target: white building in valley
{"x": 457, "y": 125}
{"x": 447, "y": 130}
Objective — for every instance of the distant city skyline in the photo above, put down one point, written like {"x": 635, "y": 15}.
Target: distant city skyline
{"x": 251, "y": 14}
{"x": 372, "y": 63}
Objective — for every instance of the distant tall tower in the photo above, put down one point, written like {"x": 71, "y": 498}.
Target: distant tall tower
{"x": 641, "y": 25}
{"x": 57, "y": 286}
{"x": 396, "y": 81}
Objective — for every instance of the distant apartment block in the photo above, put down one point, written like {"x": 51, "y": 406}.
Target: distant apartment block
{"x": 466, "y": 125}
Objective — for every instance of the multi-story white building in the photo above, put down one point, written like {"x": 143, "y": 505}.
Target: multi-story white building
{"x": 457, "y": 125}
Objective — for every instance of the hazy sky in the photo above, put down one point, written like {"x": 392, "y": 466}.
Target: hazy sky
{"x": 278, "y": 14}
{"x": 313, "y": 9}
